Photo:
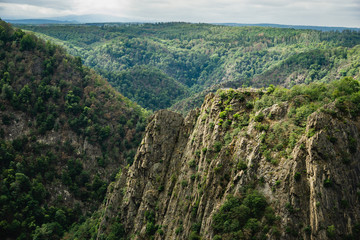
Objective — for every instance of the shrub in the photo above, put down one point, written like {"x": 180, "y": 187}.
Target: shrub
{"x": 330, "y": 231}
{"x": 194, "y": 236}
{"x": 249, "y": 105}
{"x": 237, "y": 214}
{"x": 192, "y": 163}
{"x": 150, "y": 228}
{"x": 311, "y": 132}
{"x": 260, "y": 117}
{"x": 327, "y": 183}
{"x": 179, "y": 230}
{"x": 161, "y": 188}
{"x": 184, "y": 183}
{"x": 352, "y": 145}
{"x": 241, "y": 165}
{"x": 261, "y": 127}
{"x": 307, "y": 230}
{"x": 27, "y": 42}
{"x": 223, "y": 114}
{"x": 217, "y": 146}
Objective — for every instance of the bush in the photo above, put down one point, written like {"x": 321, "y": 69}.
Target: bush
{"x": 223, "y": 114}
{"x": 259, "y": 118}
{"x": 27, "y": 42}
{"x": 261, "y": 127}
{"x": 327, "y": 183}
{"x": 217, "y": 146}
{"x": 192, "y": 163}
{"x": 330, "y": 231}
{"x": 241, "y": 165}
{"x": 249, "y": 105}
{"x": 194, "y": 236}
{"x": 179, "y": 230}
{"x": 150, "y": 229}
{"x": 237, "y": 214}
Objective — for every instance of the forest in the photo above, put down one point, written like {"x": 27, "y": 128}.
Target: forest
{"x": 51, "y": 105}
{"x": 191, "y": 58}
{"x": 75, "y": 101}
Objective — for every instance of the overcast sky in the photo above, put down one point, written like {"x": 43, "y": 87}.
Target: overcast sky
{"x": 344, "y": 13}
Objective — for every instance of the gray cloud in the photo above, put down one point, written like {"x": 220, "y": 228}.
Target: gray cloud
{"x": 299, "y": 12}
{"x": 55, "y": 4}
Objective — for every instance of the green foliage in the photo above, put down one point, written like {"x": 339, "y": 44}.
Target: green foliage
{"x": 144, "y": 61}
{"x": 223, "y": 114}
{"x": 151, "y": 228}
{"x": 117, "y": 231}
{"x": 241, "y": 165}
{"x": 261, "y": 127}
{"x": 259, "y": 117}
{"x": 179, "y": 230}
{"x": 53, "y": 94}
{"x": 328, "y": 183}
{"x": 148, "y": 86}
{"x": 192, "y": 163}
{"x": 331, "y": 231}
{"x": 27, "y": 42}
{"x": 217, "y": 146}
{"x": 238, "y": 215}
{"x": 311, "y": 133}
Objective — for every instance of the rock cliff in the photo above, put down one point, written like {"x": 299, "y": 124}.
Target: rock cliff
{"x": 188, "y": 170}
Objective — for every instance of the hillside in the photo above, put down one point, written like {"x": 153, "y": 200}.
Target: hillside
{"x": 250, "y": 164}
{"x": 195, "y": 57}
{"x": 64, "y": 133}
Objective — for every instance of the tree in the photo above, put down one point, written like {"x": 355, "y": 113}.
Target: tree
{"x": 27, "y": 42}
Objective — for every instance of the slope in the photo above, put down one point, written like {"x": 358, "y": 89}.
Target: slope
{"x": 199, "y": 56}
{"x": 64, "y": 133}
{"x": 250, "y": 164}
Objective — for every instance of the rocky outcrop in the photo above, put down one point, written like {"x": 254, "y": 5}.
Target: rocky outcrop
{"x": 185, "y": 169}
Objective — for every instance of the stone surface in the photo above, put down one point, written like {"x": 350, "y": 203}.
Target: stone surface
{"x": 178, "y": 175}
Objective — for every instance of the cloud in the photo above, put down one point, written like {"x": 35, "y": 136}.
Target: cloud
{"x": 295, "y": 12}
{"x": 299, "y": 12}
{"x": 54, "y": 4}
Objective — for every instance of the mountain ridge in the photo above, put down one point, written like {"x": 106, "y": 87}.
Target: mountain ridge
{"x": 249, "y": 164}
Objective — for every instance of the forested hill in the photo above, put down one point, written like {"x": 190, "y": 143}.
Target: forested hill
{"x": 189, "y": 58}
{"x": 64, "y": 133}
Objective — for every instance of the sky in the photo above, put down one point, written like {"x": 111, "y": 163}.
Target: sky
{"x": 344, "y": 13}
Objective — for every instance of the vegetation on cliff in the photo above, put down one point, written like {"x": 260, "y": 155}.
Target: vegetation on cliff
{"x": 250, "y": 164}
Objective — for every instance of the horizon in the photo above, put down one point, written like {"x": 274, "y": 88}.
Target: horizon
{"x": 76, "y": 22}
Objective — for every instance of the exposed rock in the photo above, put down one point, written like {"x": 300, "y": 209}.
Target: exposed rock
{"x": 181, "y": 176}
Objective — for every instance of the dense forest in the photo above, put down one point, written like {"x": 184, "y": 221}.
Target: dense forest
{"x": 70, "y": 126}
{"x": 191, "y": 58}
{"x": 64, "y": 133}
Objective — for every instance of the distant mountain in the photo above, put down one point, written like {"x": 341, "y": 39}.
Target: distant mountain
{"x": 39, "y": 21}
{"x": 319, "y": 28}
{"x": 95, "y": 18}
{"x": 73, "y": 19}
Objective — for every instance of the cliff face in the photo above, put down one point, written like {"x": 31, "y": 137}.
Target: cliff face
{"x": 186, "y": 169}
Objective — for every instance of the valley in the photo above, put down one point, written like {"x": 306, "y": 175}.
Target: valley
{"x": 178, "y": 131}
